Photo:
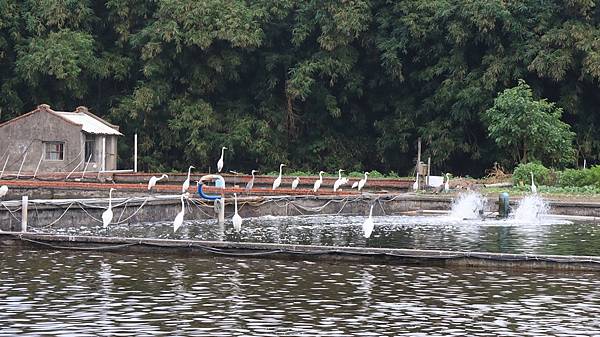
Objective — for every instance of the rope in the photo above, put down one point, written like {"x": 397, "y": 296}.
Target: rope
{"x": 60, "y": 217}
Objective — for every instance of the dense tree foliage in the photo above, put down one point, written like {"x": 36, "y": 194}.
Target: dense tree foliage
{"x": 315, "y": 84}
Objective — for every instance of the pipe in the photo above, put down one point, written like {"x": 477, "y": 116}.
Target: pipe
{"x": 220, "y": 182}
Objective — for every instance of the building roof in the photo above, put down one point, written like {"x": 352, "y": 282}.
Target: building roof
{"x": 89, "y": 122}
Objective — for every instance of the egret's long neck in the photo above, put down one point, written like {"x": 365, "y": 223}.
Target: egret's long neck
{"x": 371, "y": 212}
{"x": 340, "y": 174}
{"x": 280, "y": 170}
{"x": 321, "y": 176}
{"x": 110, "y": 198}
{"x": 235, "y": 199}
{"x": 532, "y": 179}
{"x": 366, "y": 175}
{"x": 222, "y": 152}
{"x": 189, "y": 172}
{"x": 252, "y": 174}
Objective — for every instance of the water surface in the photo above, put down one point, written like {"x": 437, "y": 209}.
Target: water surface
{"x": 66, "y": 293}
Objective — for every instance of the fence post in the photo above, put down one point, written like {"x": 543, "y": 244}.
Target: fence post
{"x": 24, "y": 203}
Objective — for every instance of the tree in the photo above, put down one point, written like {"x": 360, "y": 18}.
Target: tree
{"x": 529, "y": 129}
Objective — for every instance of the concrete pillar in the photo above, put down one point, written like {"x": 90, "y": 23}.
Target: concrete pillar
{"x": 24, "y": 204}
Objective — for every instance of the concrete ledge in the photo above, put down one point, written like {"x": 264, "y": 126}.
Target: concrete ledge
{"x": 303, "y": 252}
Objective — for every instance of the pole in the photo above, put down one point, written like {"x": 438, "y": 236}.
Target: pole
{"x": 4, "y": 167}
{"x": 38, "y": 165}
{"x": 86, "y": 165}
{"x": 103, "y": 167}
{"x": 418, "y": 156}
{"x": 428, "y": 169}
{"x": 25, "y": 202}
{"x": 135, "y": 154}
{"x": 68, "y": 175}
{"x": 23, "y": 162}
{"x": 584, "y": 164}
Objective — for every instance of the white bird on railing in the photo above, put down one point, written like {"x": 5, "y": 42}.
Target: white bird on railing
{"x": 368, "y": 224}
{"x": 237, "y": 219}
{"x": 186, "y": 183}
{"x": 3, "y": 190}
{"x": 533, "y": 187}
{"x": 363, "y": 181}
{"x": 108, "y": 214}
{"x": 220, "y": 162}
{"x": 447, "y": 183}
{"x": 339, "y": 182}
{"x": 154, "y": 179}
{"x": 179, "y": 218}
{"x": 295, "y": 183}
{"x": 416, "y": 183}
{"x": 277, "y": 181}
{"x": 318, "y": 182}
{"x": 250, "y": 182}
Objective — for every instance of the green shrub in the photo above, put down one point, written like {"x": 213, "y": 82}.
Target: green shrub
{"x": 541, "y": 174}
{"x": 580, "y": 178}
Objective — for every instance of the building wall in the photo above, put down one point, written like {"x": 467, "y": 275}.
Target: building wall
{"x": 25, "y": 137}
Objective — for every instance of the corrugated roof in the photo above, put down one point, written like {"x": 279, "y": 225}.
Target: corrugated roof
{"x": 88, "y": 123}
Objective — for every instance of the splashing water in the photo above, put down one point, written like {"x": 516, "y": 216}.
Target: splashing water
{"x": 468, "y": 205}
{"x": 531, "y": 208}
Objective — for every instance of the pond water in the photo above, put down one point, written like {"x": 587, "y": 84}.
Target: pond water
{"x": 419, "y": 232}
{"x": 67, "y": 293}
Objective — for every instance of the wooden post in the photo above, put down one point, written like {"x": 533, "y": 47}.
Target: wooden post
{"x": 135, "y": 154}
{"x": 86, "y": 165}
{"x": 25, "y": 202}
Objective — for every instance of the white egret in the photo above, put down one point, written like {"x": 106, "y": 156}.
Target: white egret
{"x": 363, "y": 181}
{"x": 220, "y": 162}
{"x": 416, "y": 183}
{"x": 186, "y": 183}
{"x": 153, "y": 180}
{"x": 295, "y": 183}
{"x": 533, "y": 187}
{"x": 250, "y": 183}
{"x": 339, "y": 182}
{"x": 237, "y": 219}
{"x": 355, "y": 185}
{"x": 447, "y": 183}
{"x": 3, "y": 190}
{"x": 318, "y": 182}
{"x": 108, "y": 214}
{"x": 179, "y": 218}
{"x": 277, "y": 181}
{"x": 368, "y": 224}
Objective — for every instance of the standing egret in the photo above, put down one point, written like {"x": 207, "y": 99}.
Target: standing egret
{"x": 447, "y": 183}
{"x": 3, "y": 190}
{"x": 339, "y": 181}
{"x": 533, "y": 187}
{"x": 363, "y": 181}
{"x": 186, "y": 183}
{"x": 220, "y": 162}
{"x": 153, "y": 181}
{"x": 368, "y": 224}
{"x": 179, "y": 218}
{"x": 318, "y": 182}
{"x": 250, "y": 183}
{"x": 416, "y": 183}
{"x": 108, "y": 214}
{"x": 237, "y": 219}
{"x": 277, "y": 181}
{"x": 295, "y": 183}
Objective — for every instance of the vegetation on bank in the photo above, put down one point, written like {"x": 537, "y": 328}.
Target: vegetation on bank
{"x": 319, "y": 85}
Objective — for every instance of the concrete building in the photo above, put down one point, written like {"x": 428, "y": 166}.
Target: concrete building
{"x": 58, "y": 141}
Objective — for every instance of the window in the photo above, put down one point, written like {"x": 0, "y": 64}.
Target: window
{"x": 54, "y": 150}
{"x": 90, "y": 147}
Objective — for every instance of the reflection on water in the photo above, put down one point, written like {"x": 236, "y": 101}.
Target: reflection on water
{"x": 419, "y": 232}
{"x": 82, "y": 293}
